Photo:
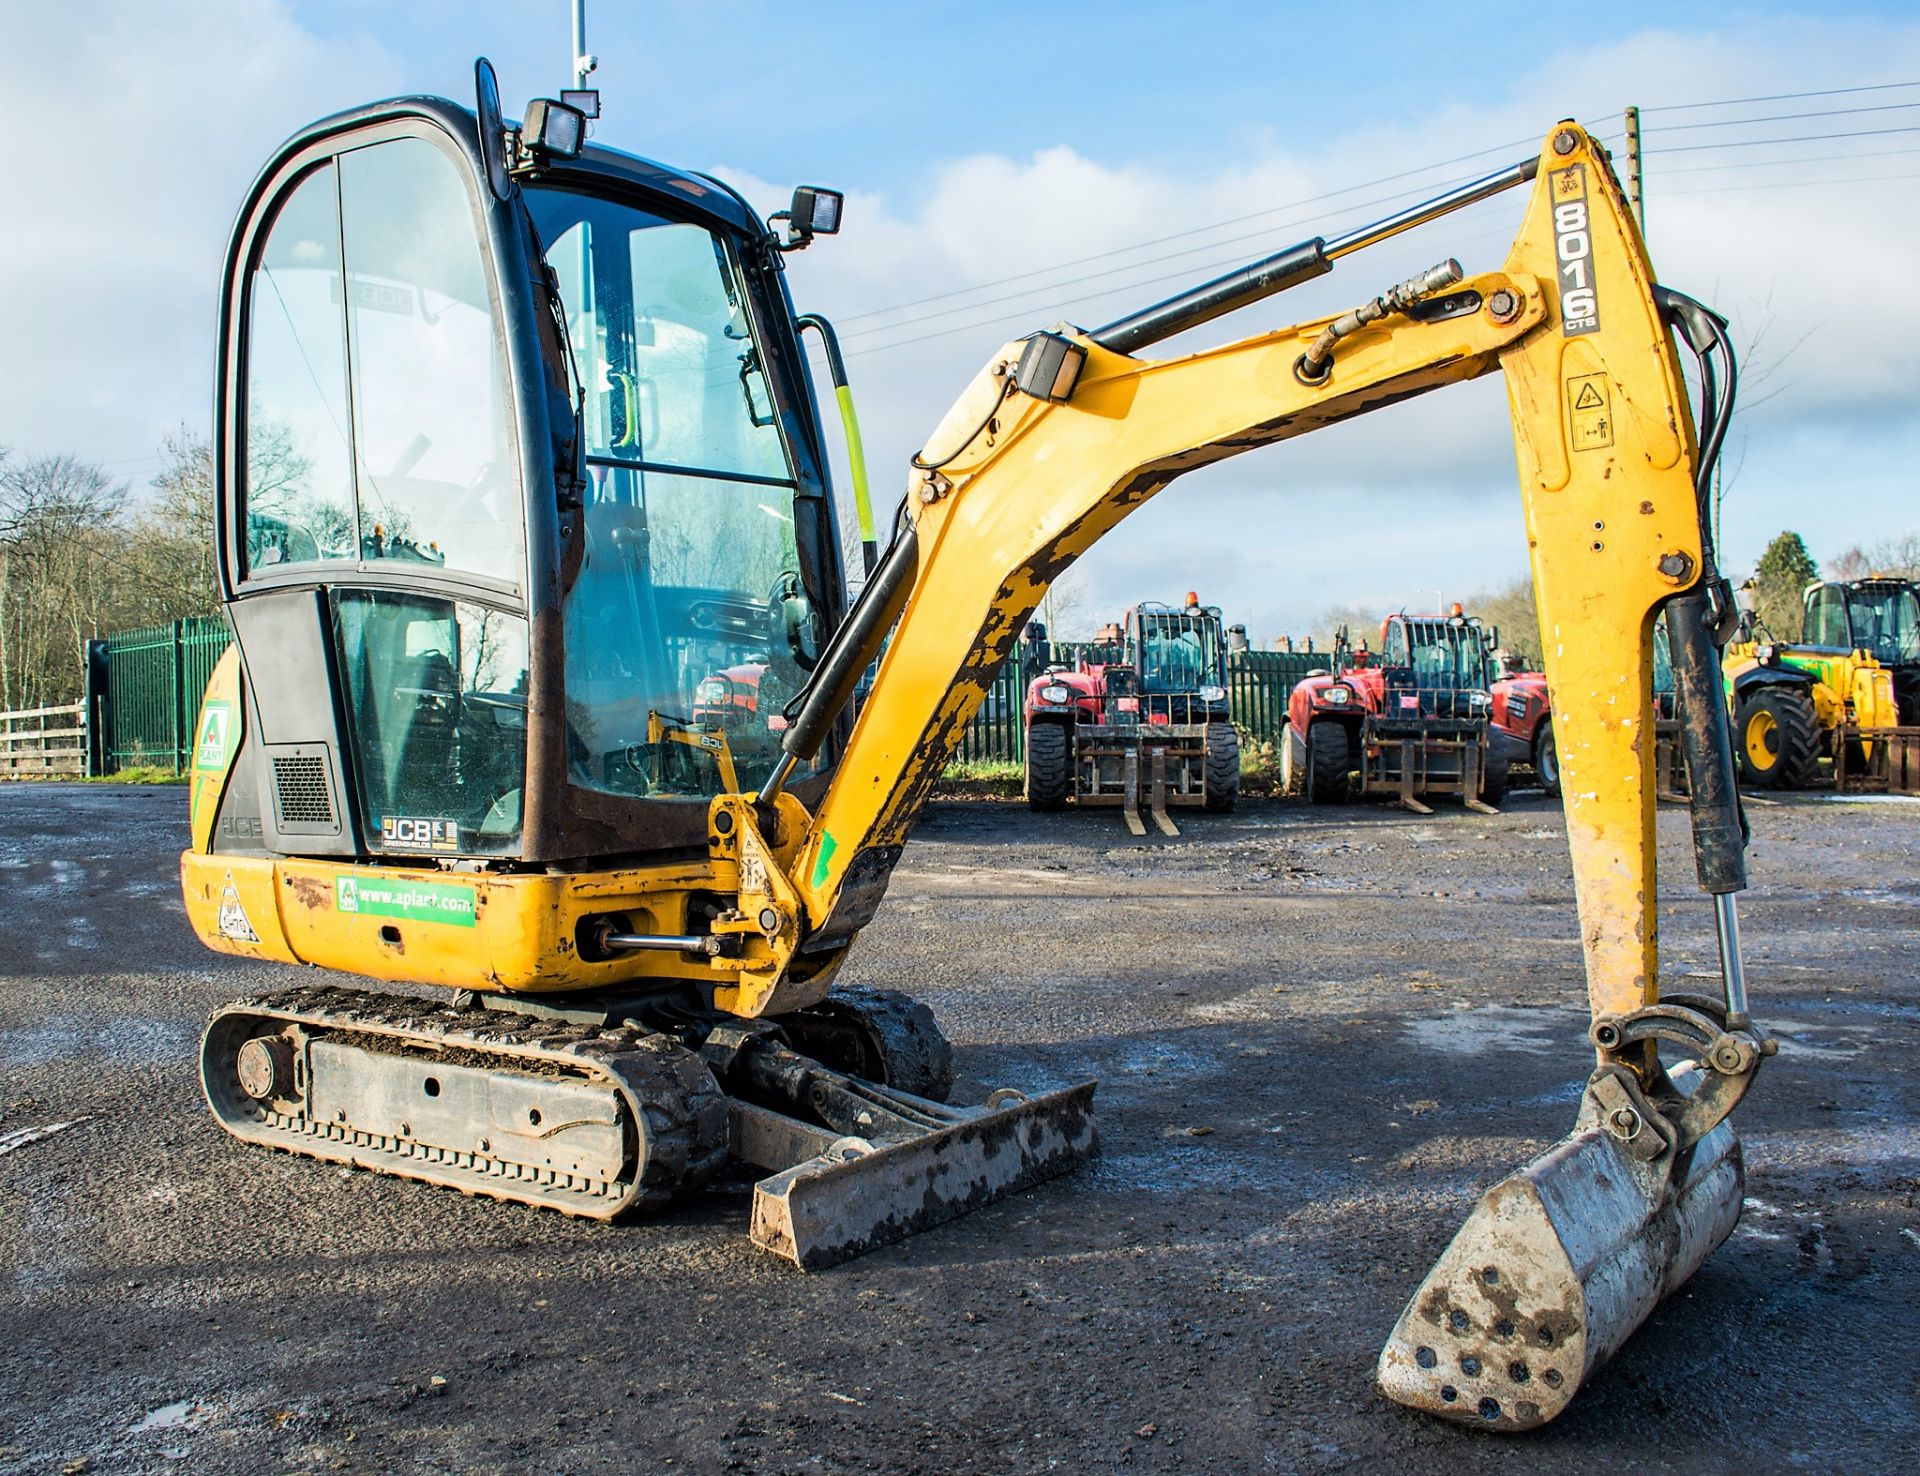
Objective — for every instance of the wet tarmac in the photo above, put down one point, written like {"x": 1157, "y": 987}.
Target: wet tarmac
{"x": 1318, "y": 1035}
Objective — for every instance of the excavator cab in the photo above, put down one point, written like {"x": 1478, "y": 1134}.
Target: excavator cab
{"x": 506, "y": 477}
{"x": 518, "y": 455}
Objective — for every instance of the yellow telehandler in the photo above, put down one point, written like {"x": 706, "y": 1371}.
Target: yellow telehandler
{"x": 517, "y": 448}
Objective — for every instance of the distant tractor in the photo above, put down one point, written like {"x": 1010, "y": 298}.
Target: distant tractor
{"x": 1793, "y": 702}
{"x": 1143, "y": 714}
{"x": 1413, "y": 720}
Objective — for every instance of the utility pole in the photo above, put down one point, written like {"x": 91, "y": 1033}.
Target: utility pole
{"x": 1635, "y": 195}
{"x": 584, "y": 62}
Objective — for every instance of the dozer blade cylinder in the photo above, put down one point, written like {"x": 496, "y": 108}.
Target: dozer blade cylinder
{"x": 1553, "y": 1271}
{"x": 856, "y": 1196}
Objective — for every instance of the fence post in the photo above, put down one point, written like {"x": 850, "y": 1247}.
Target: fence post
{"x": 179, "y": 691}
{"x": 94, "y": 711}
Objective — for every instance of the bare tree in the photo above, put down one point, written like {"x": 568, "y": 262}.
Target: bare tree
{"x": 1511, "y": 609}
{"x": 174, "y": 532}
{"x": 1064, "y": 606}
{"x": 1898, "y": 557}
{"x": 64, "y": 574}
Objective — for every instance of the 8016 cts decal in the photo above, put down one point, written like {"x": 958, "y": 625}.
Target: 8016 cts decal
{"x": 1573, "y": 246}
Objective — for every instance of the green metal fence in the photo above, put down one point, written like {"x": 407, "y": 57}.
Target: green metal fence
{"x": 145, "y": 694}
{"x": 150, "y": 682}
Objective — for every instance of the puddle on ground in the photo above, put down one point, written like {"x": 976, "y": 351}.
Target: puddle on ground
{"x": 175, "y": 1416}
{"x": 1474, "y": 1030}
{"x": 1820, "y": 1042}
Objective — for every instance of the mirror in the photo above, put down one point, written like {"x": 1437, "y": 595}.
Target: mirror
{"x": 493, "y": 129}
{"x": 792, "y": 620}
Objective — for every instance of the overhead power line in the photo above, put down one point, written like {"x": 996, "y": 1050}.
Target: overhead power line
{"x": 1777, "y": 163}
{"x": 1268, "y": 231}
{"x": 1788, "y": 117}
{"x": 1754, "y": 143}
{"x": 1731, "y": 102}
{"x": 1788, "y": 184}
{"x": 1061, "y": 266}
{"x": 966, "y": 300}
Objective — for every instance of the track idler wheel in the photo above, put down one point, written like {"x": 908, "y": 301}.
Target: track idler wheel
{"x": 881, "y": 1035}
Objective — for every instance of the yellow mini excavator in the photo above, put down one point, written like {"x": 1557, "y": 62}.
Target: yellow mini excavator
{"x": 520, "y": 465}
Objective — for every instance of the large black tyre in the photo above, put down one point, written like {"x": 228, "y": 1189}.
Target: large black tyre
{"x": 1777, "y": 739}
{"x": 1329, "y": 758}
{"x": 1049, "y": 766}
{"x": 1546, "y": 760}
{"x": 1494, "y": 768}
{"x": 1223, "y": 767}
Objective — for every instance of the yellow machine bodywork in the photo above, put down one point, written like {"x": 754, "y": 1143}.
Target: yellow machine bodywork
{"x": 1847, "y": 688}
{"x": 1022, "y": 476}
{"x": 1014, "y": 505}
{"x": 514, "y": 932}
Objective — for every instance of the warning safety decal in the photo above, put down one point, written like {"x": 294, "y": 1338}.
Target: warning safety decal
{"x": 234, "y": 923}
{"x": 1589, "y": 412}
{"x": 1573, "y": 246}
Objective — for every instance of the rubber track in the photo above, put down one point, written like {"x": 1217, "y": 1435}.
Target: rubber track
{"x": 919, "y": 1058}
{"x": 686, "y": 1112}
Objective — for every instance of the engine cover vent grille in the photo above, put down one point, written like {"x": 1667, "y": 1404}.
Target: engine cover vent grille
{"x": 303, "y": 789}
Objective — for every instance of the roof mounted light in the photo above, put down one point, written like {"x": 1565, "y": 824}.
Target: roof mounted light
{"x": 553, "y": 129}
{"x": 815, "y": 211}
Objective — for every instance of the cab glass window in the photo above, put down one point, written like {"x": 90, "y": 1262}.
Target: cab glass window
{"x": 437, "y": 708}
{"x": 299, "y": 494}
{"x": 1886, "y": 623}
{"x": 433, "y": 465}
{"x": 376, "y": 405}
{"x": 1827, "y": 619}
{"x": 687, "y": 626}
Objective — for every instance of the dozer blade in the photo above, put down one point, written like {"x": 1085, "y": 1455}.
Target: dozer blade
{"x": 854, "y": 1196}
{"x": 1553, "y": 1271}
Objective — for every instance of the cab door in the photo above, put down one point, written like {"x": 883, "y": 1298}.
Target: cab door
{"x": 373, "y": 526}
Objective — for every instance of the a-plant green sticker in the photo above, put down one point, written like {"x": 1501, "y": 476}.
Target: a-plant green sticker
{"x": 216, "y": 737}
{"x": 416, "y": 901}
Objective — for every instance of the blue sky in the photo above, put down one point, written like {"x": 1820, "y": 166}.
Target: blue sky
{"x": 979, "y": 144}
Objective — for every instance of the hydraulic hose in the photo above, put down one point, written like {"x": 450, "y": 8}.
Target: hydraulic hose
{"x": 1697, "y": 622}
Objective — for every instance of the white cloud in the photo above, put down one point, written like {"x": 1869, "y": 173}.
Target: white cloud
{"x": 114, "y": 243}
{"x": 149, "y": 122}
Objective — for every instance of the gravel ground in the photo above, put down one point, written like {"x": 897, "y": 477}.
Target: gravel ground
{"x": 1317, "y": 1036}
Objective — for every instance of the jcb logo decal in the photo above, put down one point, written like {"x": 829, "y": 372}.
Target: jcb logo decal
{"x": 1573, "y": 247}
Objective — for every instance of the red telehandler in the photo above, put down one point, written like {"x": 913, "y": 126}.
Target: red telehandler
{"x": 1410, "y": 721}
{"x": 1143, "y": 712}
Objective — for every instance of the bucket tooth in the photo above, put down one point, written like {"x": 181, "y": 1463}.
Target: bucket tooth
{"x": 1552, "y": 1272}
{"x": 855, "y": 1196}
